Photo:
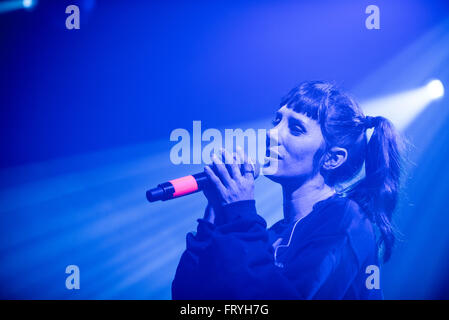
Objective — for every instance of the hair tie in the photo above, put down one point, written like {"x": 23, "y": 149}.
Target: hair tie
{"x": 370, "y": 122}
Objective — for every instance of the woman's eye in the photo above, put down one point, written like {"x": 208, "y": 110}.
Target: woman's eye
{"x": 296, "y": 130}
{"x": 276, "y": 121}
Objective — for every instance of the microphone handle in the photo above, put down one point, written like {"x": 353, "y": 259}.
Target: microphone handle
{"x": 178, "y": 187}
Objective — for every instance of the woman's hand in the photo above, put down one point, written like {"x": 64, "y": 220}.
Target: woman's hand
{"x": 228, "y": 183}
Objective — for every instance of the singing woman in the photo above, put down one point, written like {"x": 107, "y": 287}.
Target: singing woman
{"x": 329, "y": 237}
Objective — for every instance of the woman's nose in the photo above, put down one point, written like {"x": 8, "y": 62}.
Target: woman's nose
{"x": 272, "y": 137}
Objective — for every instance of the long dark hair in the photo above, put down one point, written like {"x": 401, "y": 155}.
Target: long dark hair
{"x": 343, "y": 124}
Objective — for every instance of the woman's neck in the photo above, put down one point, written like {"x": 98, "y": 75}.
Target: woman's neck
{"x": 299, "y": 200}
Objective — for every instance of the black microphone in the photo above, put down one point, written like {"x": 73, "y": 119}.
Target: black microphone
{"x": 187, "y": 185}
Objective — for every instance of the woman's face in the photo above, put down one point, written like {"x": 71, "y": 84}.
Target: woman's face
{"x": 291, "y": 147}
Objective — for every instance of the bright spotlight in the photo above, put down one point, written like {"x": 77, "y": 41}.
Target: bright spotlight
{"x": 402, "y": 108}
{"x": 12, "y": 5}
{"x": 435, "y": 89}
{"x": 27, "y": 3}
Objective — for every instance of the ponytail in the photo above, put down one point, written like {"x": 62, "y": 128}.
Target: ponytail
{"x": 378, "y": 192}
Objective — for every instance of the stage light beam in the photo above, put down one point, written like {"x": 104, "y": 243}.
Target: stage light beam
{"x": 435, "y": 89}
{"x": 402, "y": 108}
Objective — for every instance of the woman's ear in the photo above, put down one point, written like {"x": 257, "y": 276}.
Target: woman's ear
{"x": 334, "y": 158}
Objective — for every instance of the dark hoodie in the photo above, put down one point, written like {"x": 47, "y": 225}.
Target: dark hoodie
{"x": 322, "y": 256}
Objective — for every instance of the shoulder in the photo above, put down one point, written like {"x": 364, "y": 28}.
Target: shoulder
{"x": 345, "y": 216}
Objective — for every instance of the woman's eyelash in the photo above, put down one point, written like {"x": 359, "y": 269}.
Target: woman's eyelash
{"x": 297, "y": 129}
{"x": 275, "y": 121}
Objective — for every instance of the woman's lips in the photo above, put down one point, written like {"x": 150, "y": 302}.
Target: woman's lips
{"x": 271, "y": 160}
{"x": 270, "y": 153}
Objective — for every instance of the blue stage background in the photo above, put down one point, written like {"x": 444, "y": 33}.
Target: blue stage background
{"x": 86, "y": 115}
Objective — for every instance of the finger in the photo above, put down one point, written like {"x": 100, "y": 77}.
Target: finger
{"x": 239, "y": 163}
{"x": 240, "y": 155}
{"x": 249, "y": 167}
{"x": 216, "y": 182}
{"x": 231, "y": 165}
{"x": 220, "y": 171}
{"x": 240, "y": 160}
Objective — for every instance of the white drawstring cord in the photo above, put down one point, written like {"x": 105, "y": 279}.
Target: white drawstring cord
{"x": 290, "y": 239}
{"x": 285, "y": 245}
